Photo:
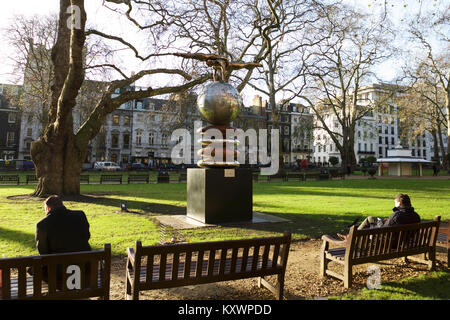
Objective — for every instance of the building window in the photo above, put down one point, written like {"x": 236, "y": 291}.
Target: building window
{"x": 380, "y": 140}
{"x": 114, "y": 140}
{"x": 164, "y": 139}
{"x": 29, "y": 132}
{"x": 10, "y": 139}
{"x": 138, "y": 138}
{"x": 380, "y": 151}
{"x": 126, "y": 141}
{"x": 424, "y": 153}
{"x": 12, "y": 117}
{"x": 116, "y": 119}
{"x": 386, "y": 140}
{"x": 393, "y": 141}
{"x": 151, "y": 138}
{"x": 126, "y": 121}
{"x": 392, "y": 130}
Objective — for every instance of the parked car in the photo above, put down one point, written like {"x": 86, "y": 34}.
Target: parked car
{"x": 106, "y": 166}
{"x": 137, "y": 167}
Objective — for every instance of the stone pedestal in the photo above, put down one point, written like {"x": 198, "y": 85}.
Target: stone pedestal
{"x": 217, "y": 195}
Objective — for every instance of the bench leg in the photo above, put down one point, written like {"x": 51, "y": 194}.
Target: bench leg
{"x": 277, "y": 289}
{"x": 260, "y": 279}
{"x": 448, "y": 256}
{"x": 432, "y": 260}
{"x": 323, "y": 260}
{"x": 280, "y": 287}
{"x": 348, "y": 276}
{"x": 131, "y": 292}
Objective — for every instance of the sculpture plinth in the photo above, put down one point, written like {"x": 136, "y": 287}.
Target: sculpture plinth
{"x": 218, "y": 195}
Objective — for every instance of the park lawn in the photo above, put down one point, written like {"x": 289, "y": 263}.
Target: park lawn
{"x": 432, "y": 286}
{"x": 313, "y": 208}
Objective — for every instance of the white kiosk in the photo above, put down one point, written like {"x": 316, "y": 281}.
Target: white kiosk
{"x": 400, "y": 160}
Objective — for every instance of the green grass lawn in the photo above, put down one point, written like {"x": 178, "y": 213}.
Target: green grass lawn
{"x": 433, "y": 286}
{"x": 313, "y": 208}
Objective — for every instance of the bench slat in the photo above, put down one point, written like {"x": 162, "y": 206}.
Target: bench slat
{"x": 22, "y": 283}
{"x": 149, "y": 272}
{"x": 211, "y": 262}
{"x": 180, "y": 271}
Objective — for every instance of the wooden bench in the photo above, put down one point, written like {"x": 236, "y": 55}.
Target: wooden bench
{"x": 297, "y": 176}
{"x": 338, "y": 174}
{"x": 110, "y": 178}
{"x": 312, "y": 176}
{"x": 138, "y": 178}
{"x": 176, "y": 265}
{"x": 9, "y": 179}
{"x": 182, "y": 177}
{"x": 163, "y": 178}
{"x": 283, "y": 177}
{"x": 84, "y": 178}
{"x": 18, "y": 284}
{"x": 378, "y": 244}
{"x": 31, "y": 178}
{"x": 443, "y": 241}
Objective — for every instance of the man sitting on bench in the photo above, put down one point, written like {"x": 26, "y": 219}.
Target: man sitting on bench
{"x": 61, "y": 231}
{"x": 403, "y": 214}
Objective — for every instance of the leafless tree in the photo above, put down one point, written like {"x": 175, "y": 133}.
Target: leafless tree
{"x": 434, "y": 27}
{"x": 340, "y": 67}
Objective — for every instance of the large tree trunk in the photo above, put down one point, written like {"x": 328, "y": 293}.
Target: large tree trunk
{"x": 56, "y": 155}
{"x": 58, "y": 167}
{"x": 435, "y": 146}
{"x": 441, "y": 144}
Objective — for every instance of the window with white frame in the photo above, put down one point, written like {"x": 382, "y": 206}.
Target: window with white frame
{"x": 12, "y": 117}
{"x": 10, "y": 139}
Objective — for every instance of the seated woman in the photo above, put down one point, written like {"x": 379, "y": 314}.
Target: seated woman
{"x": 403, "y": 214}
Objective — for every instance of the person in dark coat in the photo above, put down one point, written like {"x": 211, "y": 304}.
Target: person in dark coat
{"x": 403, "y": 213}
{"x": 62, "y": 230}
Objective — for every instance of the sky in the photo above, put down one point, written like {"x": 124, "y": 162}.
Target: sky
{"x": 387, "y": 71}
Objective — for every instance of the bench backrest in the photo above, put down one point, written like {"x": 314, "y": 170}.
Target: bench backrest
{"x": 9, "y": 178}
{"x": 391, "y": 242}
{"x": 194, "y": 263}
{"x": 138, "y": 177}
{"x": 67, "y": 276}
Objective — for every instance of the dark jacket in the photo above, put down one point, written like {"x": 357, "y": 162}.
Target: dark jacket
{"x": 402, "y": 215}
{"x": 61, "y": 231}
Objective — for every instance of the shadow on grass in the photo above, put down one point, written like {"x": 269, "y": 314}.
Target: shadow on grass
{"x": 25, "y": 238}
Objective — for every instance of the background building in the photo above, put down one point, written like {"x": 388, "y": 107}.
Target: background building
{"x": 10, "y": 119}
